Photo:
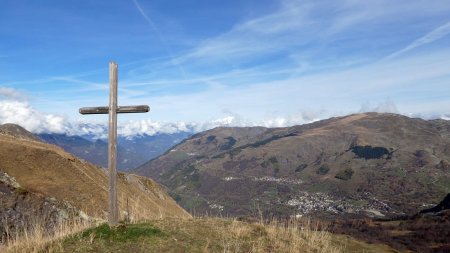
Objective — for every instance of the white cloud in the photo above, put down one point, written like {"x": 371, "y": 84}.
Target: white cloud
{"x": 21, "y": 113}
{"x": 445, "y": 117}
{"x": 149, "y": 127}
{"x": 94, "y": 130}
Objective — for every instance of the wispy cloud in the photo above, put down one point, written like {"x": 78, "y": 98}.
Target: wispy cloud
{"x": 160, "y": 37}
{"x": 311, "y": 28}
{"x": 147, "y": 18}
{"x": 404, "y": 80}
{"x": 436, "y": 34}
{"x": 264, "y": 34}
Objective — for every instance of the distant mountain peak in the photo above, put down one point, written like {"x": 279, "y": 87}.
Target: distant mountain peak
{"x": 17, "y": 131}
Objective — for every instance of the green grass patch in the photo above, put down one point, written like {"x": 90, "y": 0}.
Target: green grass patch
{"x": 121, "y": 233}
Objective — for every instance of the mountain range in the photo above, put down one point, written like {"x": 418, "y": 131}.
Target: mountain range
{"x": 387, "y": 166}
{"x": 131, "y": 151}
{"x": 370, "y": 164}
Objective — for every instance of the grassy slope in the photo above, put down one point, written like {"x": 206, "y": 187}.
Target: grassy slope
{"x": 50, "y": 171}
{"x": 208, "y": 235}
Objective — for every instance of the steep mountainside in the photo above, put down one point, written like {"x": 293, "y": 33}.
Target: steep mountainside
{"x": 42, "y": 180}
{"x": 364, "y": 164}
{"x": 132, "y": 152}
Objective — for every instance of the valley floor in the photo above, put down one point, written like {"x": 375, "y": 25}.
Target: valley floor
{"x": 206, "y": 235}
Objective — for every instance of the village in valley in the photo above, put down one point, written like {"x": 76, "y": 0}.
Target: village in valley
{"x": 237, "y": 126}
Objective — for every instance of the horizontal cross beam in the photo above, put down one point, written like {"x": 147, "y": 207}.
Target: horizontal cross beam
{"x": 120, "y": 109}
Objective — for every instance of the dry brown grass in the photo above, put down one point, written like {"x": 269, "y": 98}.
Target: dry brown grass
{"x": 45, "y": 171}
{"x": 231, "y": 235}
{"x": 52, "y": 172}
{"x": 209, "y": 235}
{"x": 35, "y": 237}
{"x": 274, "y": 236}
{"x": 187, "y": 235}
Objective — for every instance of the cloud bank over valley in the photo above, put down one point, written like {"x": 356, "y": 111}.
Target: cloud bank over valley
{"x": 19, "y": 111}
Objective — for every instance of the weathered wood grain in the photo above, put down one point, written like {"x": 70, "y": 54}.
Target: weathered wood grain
{"x": 112, "y": 145}
{"x": 112, "y": 110}
{"x": 120, "y": 109}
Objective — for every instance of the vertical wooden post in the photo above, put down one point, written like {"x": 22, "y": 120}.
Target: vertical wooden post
{"x": 112, "y": 110}
{"x": 112, "y": 145}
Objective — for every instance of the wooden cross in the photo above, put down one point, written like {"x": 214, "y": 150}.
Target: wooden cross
{"x": 112, "y": 110}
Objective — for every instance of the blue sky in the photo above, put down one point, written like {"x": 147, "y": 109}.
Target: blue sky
{"x": 208, "y": 63}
